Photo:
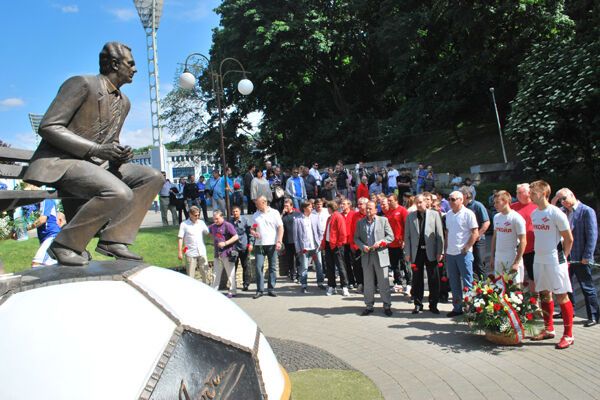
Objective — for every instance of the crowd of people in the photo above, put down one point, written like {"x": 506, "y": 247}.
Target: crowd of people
{"x": 365, "y": 234}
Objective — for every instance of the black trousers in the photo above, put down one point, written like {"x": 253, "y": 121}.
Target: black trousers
{"x": 334, "y": 258}
{"x": 182, "y": 210}
{"x": 433, "y": 280}
{"x": 204, "y": 211}
{"x": 357, "y": 268}
{"x": 251, "y": 205}
{"x": 348, "y": 265}
{"x": 478, "y": 254}
{"x": 113, "y": 202}
{"x": 291, "y": 260}
{"x": 243, "y": 260}
{"x": 398, "y": 265}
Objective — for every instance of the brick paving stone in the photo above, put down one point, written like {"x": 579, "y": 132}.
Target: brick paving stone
{"x": 427, "y": 356}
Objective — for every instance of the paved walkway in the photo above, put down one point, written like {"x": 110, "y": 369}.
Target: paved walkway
{"x": 425, "y": 356}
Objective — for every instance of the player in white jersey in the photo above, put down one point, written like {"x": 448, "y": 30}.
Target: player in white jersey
{"x": 508, "y": 241}
{"x": 550, "y": 268}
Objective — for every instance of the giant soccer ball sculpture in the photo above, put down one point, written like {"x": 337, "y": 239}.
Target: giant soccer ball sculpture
{"x": 125, "y": 330}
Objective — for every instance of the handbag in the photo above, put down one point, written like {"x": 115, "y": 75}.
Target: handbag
{"x": 279, "y": 192}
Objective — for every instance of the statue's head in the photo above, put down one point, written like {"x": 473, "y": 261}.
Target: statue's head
{"x": 116, "y": 63}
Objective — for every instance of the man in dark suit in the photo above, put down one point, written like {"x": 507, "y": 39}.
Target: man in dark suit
{"x": 584, "y": 226}
{"x": 373, "y": 234}
{"x": 80, "y": 154}
{"x": 424, "y": 247}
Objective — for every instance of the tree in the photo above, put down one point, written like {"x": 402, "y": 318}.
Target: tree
{"x": 554, "y": 120}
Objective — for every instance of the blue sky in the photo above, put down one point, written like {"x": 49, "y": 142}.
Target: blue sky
{"x": 44, "y": 42}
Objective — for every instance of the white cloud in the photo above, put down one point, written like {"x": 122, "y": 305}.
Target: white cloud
{"x": 124, "y": 14}
{"x": 203, "y": 9}
{"x": 136, "y": 138}
{"x": 11, "y": 102}
{"x": 70, "y": 9}
{"x": 27, "y": 141}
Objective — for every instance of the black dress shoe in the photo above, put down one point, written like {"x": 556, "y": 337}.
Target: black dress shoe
{"x": 245, "y": 288}
{"x": 66, "y": 256}
{"x": 452, "y": 314}
{"x": 434, "y": 309}
{"x": 258, "y": 295}
{"x": 418, "y": 308}
{"x": 117, "y": 250}
{"x": 366, "y": 311}
{"x": 272, "y": 294}
{"x": 388, "y": 311}
{"x": 557, "y": 316}
{"x": 590, "y": 322}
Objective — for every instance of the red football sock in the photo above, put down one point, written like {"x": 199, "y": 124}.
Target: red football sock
{"x": 567, "y": 313}
{"x": 548, "y": 311}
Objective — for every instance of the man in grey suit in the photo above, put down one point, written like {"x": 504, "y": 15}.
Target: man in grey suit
{"x": 307, "y": 232}
{"x": 424, "y": 247}
{"x": 80, "y": 155}
{"x": 373, "y": 234}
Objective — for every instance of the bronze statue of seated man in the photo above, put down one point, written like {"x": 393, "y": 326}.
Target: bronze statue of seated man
{"x": 80, "y": 154}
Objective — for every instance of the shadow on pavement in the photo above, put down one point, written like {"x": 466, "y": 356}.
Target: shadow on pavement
{"x": 327, "y": 311}
{"x": 452, "y": 337}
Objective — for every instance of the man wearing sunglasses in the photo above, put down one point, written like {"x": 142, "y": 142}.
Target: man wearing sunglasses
{"x": 462, "y": 232}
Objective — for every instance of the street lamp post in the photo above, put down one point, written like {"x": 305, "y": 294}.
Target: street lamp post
{"x": 499, "y": 126}
{"x": 187, "y": 80}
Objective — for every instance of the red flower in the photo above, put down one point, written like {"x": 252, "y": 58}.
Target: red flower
{"x": 254, "y": 226}
{"x": 510, "y": 281}
{"x": 490, "y": 291}
{"x": 465, "y": 289}
{"x": 478, "y": 310}
{"x": 532, "y": 300}
{"x": 466, "y": 299}
{"x": 413, "y": 266}
{"x": 479, "y": 290}
{"x": 497, "y": 307}
{"x": 441, "y": 265}
{"x": 444, "y": 279}
{"x": 382, "y": 244}
{"x": 529, "y": 316}
{"x": 526, "y": 283}
{"x": 185, "y": 249}
{"x": 474, "y": 282}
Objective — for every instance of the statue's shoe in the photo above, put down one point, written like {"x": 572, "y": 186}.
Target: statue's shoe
{"x": 66, "y": 256}
{"x": 117, "y": 250}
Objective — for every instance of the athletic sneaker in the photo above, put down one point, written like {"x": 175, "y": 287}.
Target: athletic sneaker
{"x": 330, "y": 291}
{"x": 345, "y": 292}
{"x": 565, "y": 342}
{"x": 543, "y": 335}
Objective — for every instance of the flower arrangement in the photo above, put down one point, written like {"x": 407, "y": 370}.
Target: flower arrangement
{"x": 500, "y": 307}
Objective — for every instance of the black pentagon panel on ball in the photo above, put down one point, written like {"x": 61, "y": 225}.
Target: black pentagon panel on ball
{"x": 203, "y": 368}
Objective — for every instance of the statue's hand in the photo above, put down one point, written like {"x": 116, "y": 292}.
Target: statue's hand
{"x": 108, "y": 151}
{"x": 127, "y": 154}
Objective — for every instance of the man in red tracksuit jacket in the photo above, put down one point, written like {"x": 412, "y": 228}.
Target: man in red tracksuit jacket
{"x": 333, "y": 243}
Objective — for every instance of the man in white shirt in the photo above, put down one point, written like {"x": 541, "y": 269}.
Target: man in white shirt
{"x": 553, "y": 243}
{"x": 267, "y": 228}
{"x": 191, "y": 243}
{"x": 314, "y": 171}
{"x": 461, "y": 233}
{"x": 392, "y": 174}
{"x": 508, "y": 240}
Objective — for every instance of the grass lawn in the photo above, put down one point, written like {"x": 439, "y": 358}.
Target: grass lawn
{"x": 158, "y": 246}
{"x": 332, "y": 384}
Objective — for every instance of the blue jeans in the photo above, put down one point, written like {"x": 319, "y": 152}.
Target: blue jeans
{"x": 304, "y": 261}
{"x": 460, "y": 274}
{"x": 260, "y": 252}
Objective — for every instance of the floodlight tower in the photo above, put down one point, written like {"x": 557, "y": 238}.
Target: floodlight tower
{"x": 150, "y": 12}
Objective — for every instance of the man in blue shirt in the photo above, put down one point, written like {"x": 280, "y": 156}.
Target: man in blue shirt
{"x": 483, "y": 223}
{"x": 201, "y": 185}
{"x": 48, "y": 226}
